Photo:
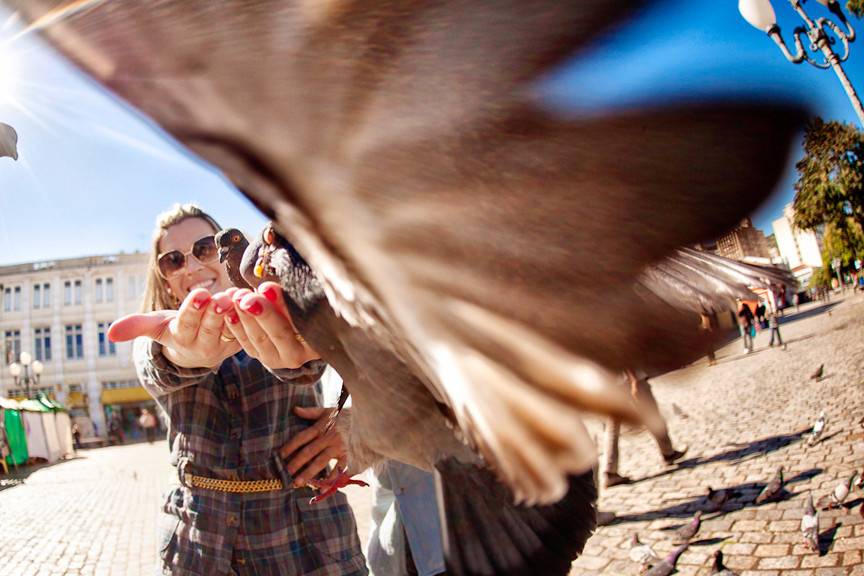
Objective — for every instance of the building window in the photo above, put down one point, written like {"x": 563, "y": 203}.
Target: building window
{"x": 72, "y": 292}
{"x": 16, "y": 302}
{"x": 77, "y": 291}
{"x": 122, "y": 384}
{"x": 75, "y": 388}
{"x": 41, "y": 296}
{"x": 12, "y": 345}
{"x": 106, "y": 347}
{"x": 98, "y": 295}
{"x": 7, "y": 299}
{"x": 42, "y": 344}
{"x": 74, "y": 342}
{"x": 109, "y": 290}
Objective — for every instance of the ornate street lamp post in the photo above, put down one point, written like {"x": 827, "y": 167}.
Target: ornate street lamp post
{"x": 26, "y": 365}
{"x": 760, "y": 14}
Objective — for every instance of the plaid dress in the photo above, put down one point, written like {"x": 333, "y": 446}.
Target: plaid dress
{"x": 228, "y": 424}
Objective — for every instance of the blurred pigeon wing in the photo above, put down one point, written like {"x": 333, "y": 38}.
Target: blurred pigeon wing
{"x": 495, "y": 244}
{"x": 8, "y": 141}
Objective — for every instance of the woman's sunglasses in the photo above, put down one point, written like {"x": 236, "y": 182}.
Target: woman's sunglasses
{"x": 171, "y": 263}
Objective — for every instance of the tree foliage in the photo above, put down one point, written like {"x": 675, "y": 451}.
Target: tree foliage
{"x": 856, "y": 7}
{"x": 846, "y": 243}
{"x": 819, "y": 278}
{"x": 830, "y": 186}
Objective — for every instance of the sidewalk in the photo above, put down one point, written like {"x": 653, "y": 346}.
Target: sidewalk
{"x": 742, "y": 419}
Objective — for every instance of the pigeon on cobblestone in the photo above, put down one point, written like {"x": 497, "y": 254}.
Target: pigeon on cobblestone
{"x": 687, "y": 532}
{"x": 810, "y": 525}
{"x": 667, "y": 565}
{"x": 718, "y": 569}
{"x": 817, "y": 375}
{"x": 773, "y": 489}
{"x": 841, "y": 491}
{"x": 716, "y": 498}
{"x": 642, "y": 553}
{"x": 818, "y": 428}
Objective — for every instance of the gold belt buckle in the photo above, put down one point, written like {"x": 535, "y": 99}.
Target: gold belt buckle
{"x": 220, "y": 485}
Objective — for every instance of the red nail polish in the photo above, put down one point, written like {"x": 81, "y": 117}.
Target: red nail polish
{"x": 270, "y": 293}
{"x": 254, "y": 308}
{"x": 199, "y": 303}
{"x": 232, "y": 318}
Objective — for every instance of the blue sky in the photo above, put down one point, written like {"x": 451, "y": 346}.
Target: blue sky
{"x": 92, "y": 174}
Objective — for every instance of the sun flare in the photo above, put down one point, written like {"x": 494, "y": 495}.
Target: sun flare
{"x": 8, "y": 75}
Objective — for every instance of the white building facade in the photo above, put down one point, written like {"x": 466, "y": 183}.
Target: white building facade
{"x": 800, "y": 249}
{"x": 59, "y": 312}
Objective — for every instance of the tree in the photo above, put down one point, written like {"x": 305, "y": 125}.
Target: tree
{"x": 819, "y": 278}
{"x": 843, "y": 243}
{"x": 856, "y": 7}
{"x": 830, "y": 187}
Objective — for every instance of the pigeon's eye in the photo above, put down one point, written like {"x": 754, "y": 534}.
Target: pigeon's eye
{"x": 235, "y": 238}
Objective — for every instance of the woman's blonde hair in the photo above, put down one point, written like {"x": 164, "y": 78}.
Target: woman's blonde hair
{"x": 156, "y": 294}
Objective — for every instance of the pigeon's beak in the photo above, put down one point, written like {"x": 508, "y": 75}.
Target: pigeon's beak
{"x": 223, "y": 254}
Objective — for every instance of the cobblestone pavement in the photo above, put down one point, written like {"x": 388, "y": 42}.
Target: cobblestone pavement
{"x": 95, "y": 514}
{"x": 741, "y": 420}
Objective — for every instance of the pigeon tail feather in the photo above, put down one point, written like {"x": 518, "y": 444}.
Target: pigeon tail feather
{"x": 486, "y": 533}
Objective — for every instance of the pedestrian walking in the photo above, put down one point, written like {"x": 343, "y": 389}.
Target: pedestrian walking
{"x": 745, "y": 322}
{"x": 76, "y": 435}
{"x": 247, "y": 432}
{"x": 708, "y": 322}
{"x": 774, "y": 325}
{"x": 147, "y": 421}
{"x": 640, "y": 389}
{"x": 760, "y": 315}
{"x": 115, "y": 429}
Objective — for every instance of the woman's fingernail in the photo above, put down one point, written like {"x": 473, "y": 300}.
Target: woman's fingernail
{"x": 232, "y": 318}
{"x": 217, "y": 309}
{"x": 255, "y": 308}
{"x": 270, "y": 293}
{"x": 199, "y": 303}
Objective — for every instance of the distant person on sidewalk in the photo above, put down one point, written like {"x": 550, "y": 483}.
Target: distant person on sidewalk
{"x": 641, "y": 392}
{"x": 147, "y": 421}
{"x": 709, "y": 324}
{"x": 774, "y": 324}
{"x": 745, "y": 322}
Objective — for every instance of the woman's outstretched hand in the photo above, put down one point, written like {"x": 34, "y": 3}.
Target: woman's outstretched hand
{"x": 195, "y": 336}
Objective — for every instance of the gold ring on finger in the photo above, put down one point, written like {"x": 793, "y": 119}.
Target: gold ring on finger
{"x": 227, "y": 337}
{"x": 299, "y": 338}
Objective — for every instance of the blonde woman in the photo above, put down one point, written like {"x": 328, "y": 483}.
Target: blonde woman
{"x": 238, "y": 388}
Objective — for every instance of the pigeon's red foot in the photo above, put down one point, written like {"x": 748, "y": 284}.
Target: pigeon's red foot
{"x": 327, "y": 488}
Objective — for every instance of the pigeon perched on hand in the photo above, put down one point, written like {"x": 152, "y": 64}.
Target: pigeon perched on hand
{"x": 773, "y": 489}
{"x": 817, "y": 375}
{"x": 454, "y": 221}
{"x": 8, "y": 141}
{"x": 818, "y": 428}
{"x": 810, "y": 525}
{"x": 688, "y": 531}
{"x": 667, "y": 565}
{"x": 718, "y": 569}
{"x": 232, "y": 244}
{"x": 642, "y": 553}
